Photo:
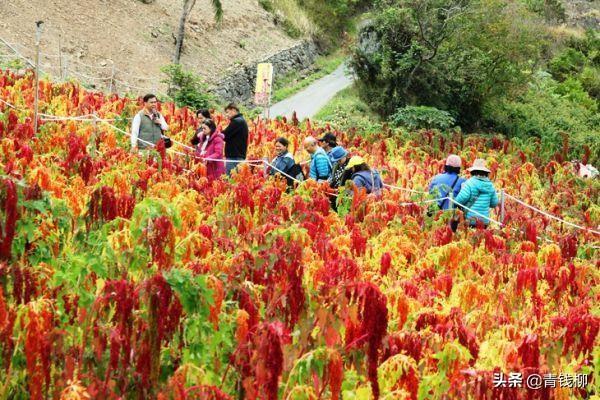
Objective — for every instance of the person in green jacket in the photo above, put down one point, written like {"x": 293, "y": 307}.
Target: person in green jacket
{"x": 478, "y": 195}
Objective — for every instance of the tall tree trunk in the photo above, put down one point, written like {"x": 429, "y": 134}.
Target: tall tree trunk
{"x": 188, "y": 5}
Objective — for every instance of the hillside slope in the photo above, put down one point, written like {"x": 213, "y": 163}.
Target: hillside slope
{"x": 583, "y": 13}
{"x": 139, "y": 37}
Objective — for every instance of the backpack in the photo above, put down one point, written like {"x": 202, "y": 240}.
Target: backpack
{"x": 295, "y": 172}
{"x": 450, "y": 193}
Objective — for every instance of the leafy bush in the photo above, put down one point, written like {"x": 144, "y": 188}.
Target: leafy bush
{"x": 579, "y": 60}
{"x": 590, "y": 80}
{"x": 572, "y": 89}
{"x": 186, "y": 88}
{"x": 570, "y": 61}
{"x": 417, "y": 117}
{"x": 551, "y": 111}
{"x": 333, "y": 18}
{"x": 550, "y": 10}
{"x": 448, "y": 54}
{"x": 14, "y": 64}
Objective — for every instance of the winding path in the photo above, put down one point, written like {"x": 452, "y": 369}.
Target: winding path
{"x": 310, "y": 100}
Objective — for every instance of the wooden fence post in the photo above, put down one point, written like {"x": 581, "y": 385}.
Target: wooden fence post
{"x": 38, "y": 37}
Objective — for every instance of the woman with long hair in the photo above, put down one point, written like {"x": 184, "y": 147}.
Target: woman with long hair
{"x": 213, "y": 152}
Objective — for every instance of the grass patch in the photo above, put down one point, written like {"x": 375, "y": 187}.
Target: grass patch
{"x": 294, "y": 81}
{"x": 347, "y": 110}
{"x": 293, "y": 19}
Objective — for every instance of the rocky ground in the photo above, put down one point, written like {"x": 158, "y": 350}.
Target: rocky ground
{"x": 583, "y": 13}
{"x": 139, "y": 38}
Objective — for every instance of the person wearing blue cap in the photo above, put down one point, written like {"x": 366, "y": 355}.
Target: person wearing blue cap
{"x": 339, "y": 157}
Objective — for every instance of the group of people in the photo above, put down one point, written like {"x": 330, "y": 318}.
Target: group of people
{"x": 212, "y": 145}
{"x": 329, "y": 162}
{"x": 476, "y": 196}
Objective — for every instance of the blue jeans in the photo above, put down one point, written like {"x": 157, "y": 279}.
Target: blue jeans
{"x": 231, "y": 165}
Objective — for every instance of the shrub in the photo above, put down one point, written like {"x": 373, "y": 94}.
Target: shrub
{"x": 550, "y": 111}
{"x": 579, "y": 60}
{"x": 186, "y": 88}
{"x": 453, "y": 55}
{"x": 14, "y": 64}
{"x": 550, "y": 10}
{"x": 590, "y": 80}
{"x": 417, "y": 117}
{"x": 568, "y": 62}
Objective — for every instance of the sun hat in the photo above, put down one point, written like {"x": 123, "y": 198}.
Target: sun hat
{"x": 479, "y": 165}
{"x": 338, "y": 153}
{"x": 354, "y": 161}
{"x": 453, "y": 161}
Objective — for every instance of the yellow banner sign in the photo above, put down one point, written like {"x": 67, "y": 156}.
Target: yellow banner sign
{"x": 264, "y": 82}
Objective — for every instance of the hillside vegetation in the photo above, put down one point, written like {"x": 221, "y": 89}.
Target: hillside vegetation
{"x": 140, "y": 38}
{"x": 491, "y": 65}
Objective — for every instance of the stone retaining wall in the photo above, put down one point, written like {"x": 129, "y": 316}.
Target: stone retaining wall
{"x": 239, "y": 86}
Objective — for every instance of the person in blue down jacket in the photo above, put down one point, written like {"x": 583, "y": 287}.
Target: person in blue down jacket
{"x": 364, "y": 177}
{"x": 320, "y": 166}
{"x": 479, "y": 194}
{"x": 284, "y": 160}
{"x": 449, "y": 183}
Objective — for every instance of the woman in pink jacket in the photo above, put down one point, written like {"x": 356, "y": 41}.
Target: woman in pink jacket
{"x": 212, "y": 149}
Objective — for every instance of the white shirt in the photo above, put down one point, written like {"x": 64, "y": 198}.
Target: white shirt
{"x": 135, "y": 127}
{"x": 204, "y": 145}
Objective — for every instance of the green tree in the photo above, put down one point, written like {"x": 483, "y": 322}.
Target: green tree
{"x": 551, "y": 111}
{"x": 579, "y": 59}
{"x": 186, "y": 88}
{"x": 416, "y": 117}
{"x": 454, "y": 55}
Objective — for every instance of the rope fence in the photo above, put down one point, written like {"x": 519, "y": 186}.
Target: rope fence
{"x": 191, "y": 152}
{"x": 537, "y": 210}
{"x": 106, "y": 76}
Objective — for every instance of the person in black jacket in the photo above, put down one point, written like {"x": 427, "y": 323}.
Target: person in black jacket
{"x": 236, "y": 138}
